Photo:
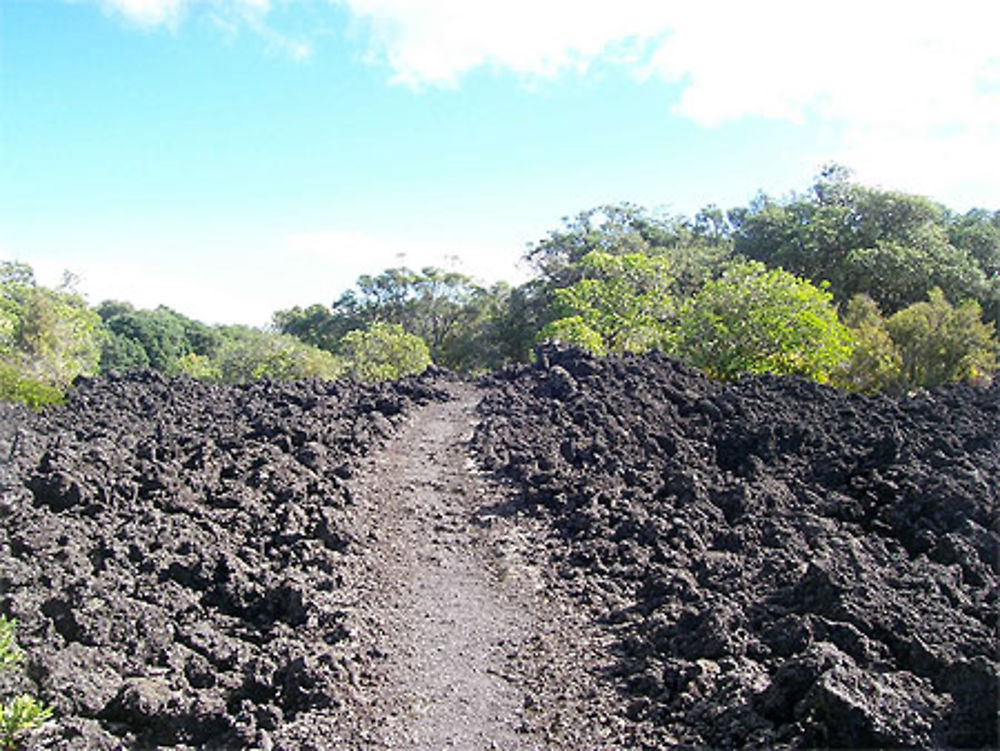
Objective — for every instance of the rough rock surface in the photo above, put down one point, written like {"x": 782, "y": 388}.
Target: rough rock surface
{"x": 670, "y": 562}
{"x": 783, "y": 564}
{"x": 172, "y": 553}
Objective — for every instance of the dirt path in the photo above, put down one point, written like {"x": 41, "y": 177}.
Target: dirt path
{"x": 468, "y": 651}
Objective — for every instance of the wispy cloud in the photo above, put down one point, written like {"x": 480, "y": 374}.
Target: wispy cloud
{"x": 228, "y": 15}
{"x": 148, "y": 12}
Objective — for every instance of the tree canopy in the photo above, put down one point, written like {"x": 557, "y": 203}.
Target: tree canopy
{"x": 868, "y": 288}
{"x": 48, "y": 337}
{"x": 451, "y": 313}
{"x": 622, "y": 304}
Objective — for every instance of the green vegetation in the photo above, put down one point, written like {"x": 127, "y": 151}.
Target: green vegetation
{"x": 868, "y": 289}
{"x": 47, "y": 337}
{"x": 455, "y": 317}
{"x": 939, "y": 343}
{"x": 22, "y": 713}
{"x": 760, "y": 320}
{"x": 247, "y": 354}
{"x": 384, "y": 352}
{"x": 622, "y": 304}
{"x": 929, "y": 343}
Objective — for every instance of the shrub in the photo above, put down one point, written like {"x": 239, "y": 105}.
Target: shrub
{"x": 22, "y": 713}
{"x": 940, "y": 343}
{"x": 47, "y": 337}
{"x": 17, "y": 387}
{"x": 248, "y": 354}
{"x": 622, "y": 305}
{"x": 875, "y": 364}
{"x": 575, "y": 331}
{"x": 759, "y": 320}
{"x": 383, "y": 352}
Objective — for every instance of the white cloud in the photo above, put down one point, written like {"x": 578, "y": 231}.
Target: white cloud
{"x": 228, "y": 15}
{"x": 148, "y": 12}
{"x": 914, "y": 88}
{"x": 901, "y": 80}
{"x": 878, "y": 64}
{"x": 436, "y": 42}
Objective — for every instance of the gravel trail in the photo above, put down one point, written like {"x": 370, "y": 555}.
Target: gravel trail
{"x": 469, "y": 651}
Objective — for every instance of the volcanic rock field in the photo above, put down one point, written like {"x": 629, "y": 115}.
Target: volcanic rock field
{"x": 770, "y": 563}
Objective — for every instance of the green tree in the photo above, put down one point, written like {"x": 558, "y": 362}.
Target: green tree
{"x": 384, "y": 351}
{"x": 452, "y": 314}
{"x": 875, "y": 363}
{"x": 247, "y": 354}
{"x": 940, "y": 343}
{"x": 623, "y": 303}
{"x": 626, "y": 229}
{"x": 161, "y": 334}
{"x": 316, "y": 325}
{"x": 123, "y": 354}
{"x": 892, "y": 246}
{"x": 47, "y": 336}
{"x": 755, "y": 320}
{"x": 157, "y": 339}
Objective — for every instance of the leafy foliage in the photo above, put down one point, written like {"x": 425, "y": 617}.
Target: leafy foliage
{"x": 201, "y": 367}
{"x": 157, "y": 339}
{"x": 875, "y": 363}
{"x": 892, "y": 246}
{"x": 384, "y": 351}
{"x": 627, "y": 229}
{"x": 11, "y": 655}
{"x": 940, "y": 343}
{"x": 622, "y": 304}
{"x": 17, "y": 387}
{"x": 23, "y": 713}
{"x": 248, "y": 354}
{"x": 756, "y": 320}
{"x": 47, "y": 337}
{"x": 576, "y": 331}
{"x": 452, "y": 314}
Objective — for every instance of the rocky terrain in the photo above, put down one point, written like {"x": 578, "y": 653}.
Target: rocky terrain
{"x": 580, "y": 553}
{"x": 784, "y": 564}
{"x": 173, "y": 554}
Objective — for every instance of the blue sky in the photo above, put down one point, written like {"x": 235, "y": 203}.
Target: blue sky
{"x": 233, "y": 157}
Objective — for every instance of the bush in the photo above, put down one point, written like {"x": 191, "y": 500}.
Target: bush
{"x": 756, "y": 320}
{"x": 23, "y": 713}
{"x": 622, "y": 305}
{"x": 575, "y": 331}
{"x": 249, "y": 354}
{"x": 47, "y": 337}
{"x": 17, "y": 387}
{"x": 940, "y": 343}
{"x": 383, "y": 352}
{"x": 875, "y": 364}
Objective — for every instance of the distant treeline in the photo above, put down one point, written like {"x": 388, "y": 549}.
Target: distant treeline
{"x": 864, "y": 288}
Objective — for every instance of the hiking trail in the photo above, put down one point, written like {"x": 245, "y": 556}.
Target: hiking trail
{"x": 470, "y": 652}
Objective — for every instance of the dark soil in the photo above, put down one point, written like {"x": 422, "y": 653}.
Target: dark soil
{"x": 783, "y": 564}
{"x": 669, "y": 562}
